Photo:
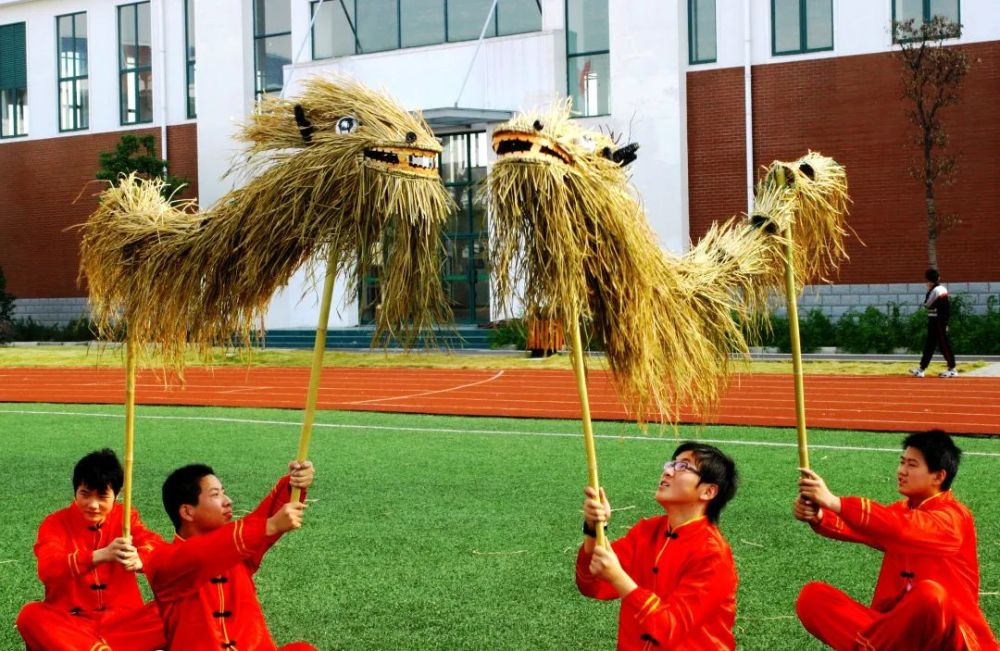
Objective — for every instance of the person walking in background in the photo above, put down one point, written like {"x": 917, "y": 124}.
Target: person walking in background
{"x": 938, "y": 312}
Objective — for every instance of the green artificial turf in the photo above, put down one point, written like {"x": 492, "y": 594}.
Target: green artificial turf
{"x": 428, "y": 532}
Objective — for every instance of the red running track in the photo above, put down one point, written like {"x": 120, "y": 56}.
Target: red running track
{"x": 958, "y": 405}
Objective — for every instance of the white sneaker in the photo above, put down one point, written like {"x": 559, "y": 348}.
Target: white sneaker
{"x": 949, "y": 373}
{"x": 917, "y": 372}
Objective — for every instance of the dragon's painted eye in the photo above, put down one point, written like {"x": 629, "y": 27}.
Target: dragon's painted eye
{"x": 347, "y": 124}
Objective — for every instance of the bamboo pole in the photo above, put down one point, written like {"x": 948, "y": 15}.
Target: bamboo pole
{"x": 319, "y": 347}
{"x": 130, "y": 355}
{"x": 588, "y": 430}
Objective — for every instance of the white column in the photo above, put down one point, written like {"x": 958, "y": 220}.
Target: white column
{"x": 648, "y": 104}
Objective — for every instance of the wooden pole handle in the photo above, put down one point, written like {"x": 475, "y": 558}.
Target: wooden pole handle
{"x": 588, "y": 430}
{"x": 130, "y": 370}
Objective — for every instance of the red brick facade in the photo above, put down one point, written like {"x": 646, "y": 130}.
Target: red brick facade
{"x": 39, "y": 181}
{"x": 850, "y": 108}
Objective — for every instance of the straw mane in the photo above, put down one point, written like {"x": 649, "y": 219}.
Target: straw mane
{"x": 341, "y": 172}
{"x": 571, "y": 240}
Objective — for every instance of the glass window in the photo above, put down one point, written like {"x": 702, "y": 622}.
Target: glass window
{"x": 272, "y": 20}
{"x": 378, "y": 25}
{"x": 71, "y": 63}
{"x": 588, "y": 63}
{"x": 333, "y": 29}
{"x": 586, "y": 26}
{"x": 13, "y": 82}
{"x": 701, "y": 31}
{"x": 921, "y": 11}
{"x": 466, "y": 18}
{"x": 421, "y": 22}
{"x": 135, "y": 59}
{"x": 192, "y": 110}
{"x": 518, "y": 16}
{"x": 801, "y": 26}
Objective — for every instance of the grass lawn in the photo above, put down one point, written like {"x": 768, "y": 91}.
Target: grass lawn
{"x": 111, "y": 356}
{"x": 429, "y": 532}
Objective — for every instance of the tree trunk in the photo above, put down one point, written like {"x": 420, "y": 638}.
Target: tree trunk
{"x": 932, "y": 229}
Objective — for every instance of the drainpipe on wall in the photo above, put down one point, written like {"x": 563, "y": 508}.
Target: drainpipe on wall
{"x": 162, "y": 35}
{"x": 748, "y": 101}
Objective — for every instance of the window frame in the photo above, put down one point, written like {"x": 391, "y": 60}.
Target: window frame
{"x": 74, "y": 78}
{"x": 576, "y": 55}
{"x": 494, "y": 33}
{"x": 925, "y": 11}
{"x": 803, "y": 33}
{"x": 17, "y": 133}
{"x": 260, "y": 92}
{"x": 692, "y": 31}
{"x": 122, "y": 112}
{"x": 190, "y": 90}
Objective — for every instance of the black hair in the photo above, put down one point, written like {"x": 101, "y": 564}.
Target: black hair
{"x": 714, "y": 467}
{"x": 932, "y": 275}
{"x": 939, "y": 451}
{"x": 183, "y": 486}
{"x": 99, "y": 470}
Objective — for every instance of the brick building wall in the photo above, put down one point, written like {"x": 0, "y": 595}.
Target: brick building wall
{"x": 850, "y": 108}
{"x": 45, "y": 190}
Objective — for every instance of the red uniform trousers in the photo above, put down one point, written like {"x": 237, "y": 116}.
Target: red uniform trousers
{"x": 927, "y": 595}
{"x": 925, "y": 613}
{"x": 87, "y": 606}
{"x": 49, "y": 628}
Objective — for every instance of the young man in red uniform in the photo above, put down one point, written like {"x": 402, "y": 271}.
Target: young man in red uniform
{"x": 92, "y": 600}
{"x": 674, "y": 573}
{"x": 927, "y": 595}
{"x": 203, "y": 582}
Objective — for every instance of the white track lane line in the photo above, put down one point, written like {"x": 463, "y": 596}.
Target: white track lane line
{"x": 444, "y": 430}
{"x": 426, "y": 393}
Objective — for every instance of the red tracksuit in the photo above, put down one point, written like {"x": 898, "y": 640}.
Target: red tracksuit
{"x": 89, "y": 607}
{"x": 204, "y": 585}
{"x": 927, "y": 595}
{"x": 687, "y": 586}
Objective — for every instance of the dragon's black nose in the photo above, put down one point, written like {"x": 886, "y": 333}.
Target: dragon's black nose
{"x": 411, "y": 137}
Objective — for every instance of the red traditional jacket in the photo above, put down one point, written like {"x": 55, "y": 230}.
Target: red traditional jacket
{"x": 936, "y": 541}
{"x": 204, "y": 585}
{"x": 65, "y": 552}
{"x": 687, "y": 580}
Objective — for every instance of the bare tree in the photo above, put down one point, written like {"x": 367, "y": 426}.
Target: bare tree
{"x": 932, "y": 75}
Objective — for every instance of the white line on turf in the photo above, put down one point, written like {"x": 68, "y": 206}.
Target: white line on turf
{"x": 445, "y": 430}
{"x": 427, "y": 393}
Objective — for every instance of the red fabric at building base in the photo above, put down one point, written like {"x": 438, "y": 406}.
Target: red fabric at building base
{"x": 49, "y": 628}
{"x": 924, "y": 618}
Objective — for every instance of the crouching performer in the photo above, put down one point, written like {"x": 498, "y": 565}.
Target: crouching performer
{"x": 92, "y": 599}
{"x": 203, "y": 582}
{"x": 674, "y": 573}
{"x": 927, "y": 595}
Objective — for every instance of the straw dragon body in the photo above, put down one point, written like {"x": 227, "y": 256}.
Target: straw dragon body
{"x": 341, "y": 172}
{"x": 569, "y": 232}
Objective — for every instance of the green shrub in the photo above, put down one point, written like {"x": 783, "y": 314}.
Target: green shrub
{"x": 509, "y": 332}
{"x": 75, "y": 330}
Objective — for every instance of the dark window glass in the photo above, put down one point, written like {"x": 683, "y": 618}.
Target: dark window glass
{"x": 921, "y": 11}
{"x": 590, "y": 82}
{"x": 71, "y": 56}
{"x": 586, "y": 26}
{"x": 518, "y": 16}
{"x": 421, "y": 22}
{"x": 701, "y": 30}
{"x": 333, "y": 34}
{"x": 272, "y": 21}
{"x": 190, "y": 57}
{"x": 378, "y": 25}
{"x": 466, "y": 18}
{"x": 944, "y": 8}
{"x": 135, "y": 79}
{"x": 801, "y": 26}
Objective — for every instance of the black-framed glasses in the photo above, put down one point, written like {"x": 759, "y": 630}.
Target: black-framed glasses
{"x": 680, "y": 465}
